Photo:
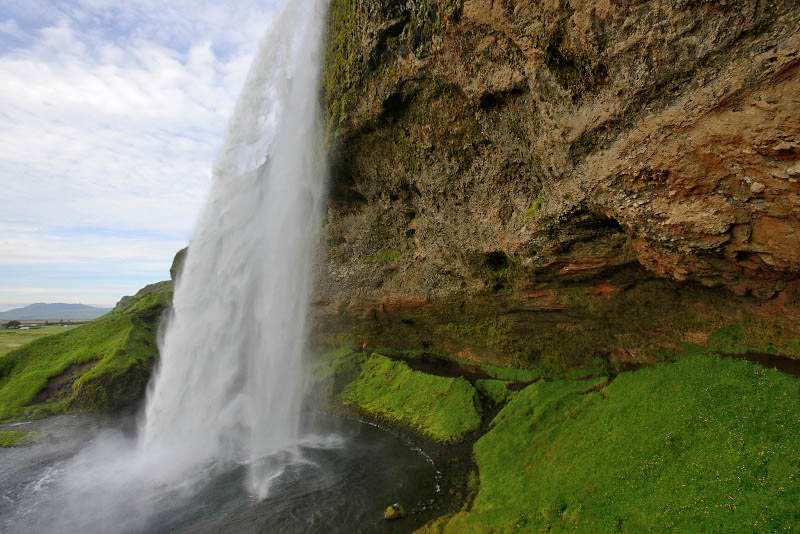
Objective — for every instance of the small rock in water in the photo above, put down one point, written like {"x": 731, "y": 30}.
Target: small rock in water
{"x": 395, "y": 511}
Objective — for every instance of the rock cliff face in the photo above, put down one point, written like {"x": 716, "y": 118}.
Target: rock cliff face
{"x": 562, "y": 157}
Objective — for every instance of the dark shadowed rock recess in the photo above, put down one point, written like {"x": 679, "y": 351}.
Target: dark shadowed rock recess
{"x": 560, "y": 182}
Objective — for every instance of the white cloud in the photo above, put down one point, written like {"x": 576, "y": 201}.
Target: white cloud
{"x": 111, "y": 114}
{"x": 23, "y": 245}
{"x": 12, "y": 29}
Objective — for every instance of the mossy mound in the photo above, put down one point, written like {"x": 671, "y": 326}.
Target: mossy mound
{"x": 438, "y": 408}
{"x": 103, "y": 365}
{"x": 705, "y": 444}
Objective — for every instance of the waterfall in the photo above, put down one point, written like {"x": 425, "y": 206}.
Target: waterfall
{"x": 227, "y": 391}
{"x": 228, "y": 384}
{"x": 219, "y": 446}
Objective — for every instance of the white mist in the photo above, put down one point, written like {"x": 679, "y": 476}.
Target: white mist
{"x": 228, "y": 387}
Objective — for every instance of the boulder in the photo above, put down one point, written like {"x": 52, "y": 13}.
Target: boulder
{"x": 395, "y": 511}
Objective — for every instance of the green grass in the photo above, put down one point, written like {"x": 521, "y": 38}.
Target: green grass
{"x": 16, "y": 438}
{"x": 104, "y": 364}
{"x": 11, "y": 339}
{"x": 705, "y": 444}
{"x": 495, "y": 390}
{"x": 442, "y": 409}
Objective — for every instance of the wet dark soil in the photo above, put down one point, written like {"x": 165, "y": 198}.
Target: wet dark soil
{"x": 434, "y": 364}
{"x": 624, "y": 367}
{"x": 779, "y": 362}
{"x": 519, "y": 386}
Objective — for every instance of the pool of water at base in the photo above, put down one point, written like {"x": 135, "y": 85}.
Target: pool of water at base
{"x": 350, "y": 472}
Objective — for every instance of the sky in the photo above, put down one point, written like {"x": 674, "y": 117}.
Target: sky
{"x": 111, "y": 115}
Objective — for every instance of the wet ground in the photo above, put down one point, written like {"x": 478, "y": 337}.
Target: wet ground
{"x": 779, "y": 362}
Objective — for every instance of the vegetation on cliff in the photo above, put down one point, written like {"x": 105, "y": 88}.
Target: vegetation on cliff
{"x": 103, "y": 365}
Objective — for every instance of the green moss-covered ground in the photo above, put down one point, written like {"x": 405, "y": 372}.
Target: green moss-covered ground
{"x": 442, "y": 409}
{"x": 104, "y": 364}
{"x": 698, "y": 442}
{"x": 495, "y": 390}
{"x": 704, "y": 444}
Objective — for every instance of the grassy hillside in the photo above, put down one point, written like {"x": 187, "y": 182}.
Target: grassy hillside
{"x": 102, "y": 365}
{"x": 705, "y": 444}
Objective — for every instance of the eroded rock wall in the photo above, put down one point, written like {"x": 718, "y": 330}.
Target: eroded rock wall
{"x": 520, "y": 149}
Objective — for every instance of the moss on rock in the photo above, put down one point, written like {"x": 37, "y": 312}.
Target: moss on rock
{"x": 340, "y": 57}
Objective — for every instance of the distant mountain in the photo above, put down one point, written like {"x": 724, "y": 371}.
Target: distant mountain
{"x": 54, "y": 312}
